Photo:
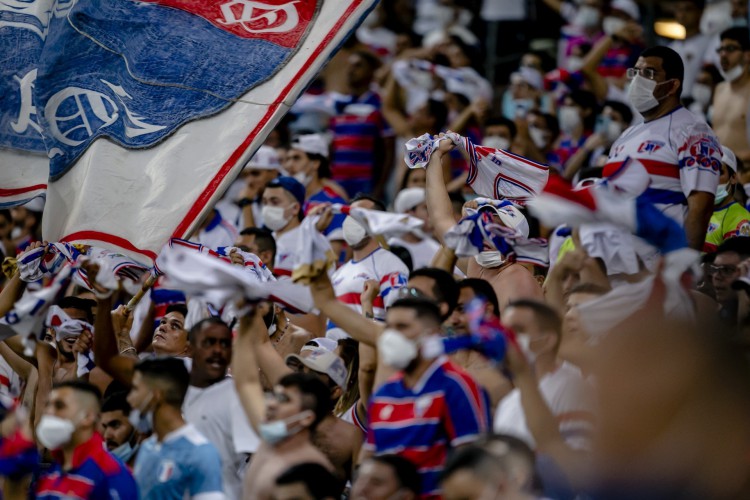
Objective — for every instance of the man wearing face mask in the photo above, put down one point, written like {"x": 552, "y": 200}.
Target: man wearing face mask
{"x": 577, "y": 116}
{"x": 679, "y": 151}
{"x": 81, "y": 462}
{"x": 730, "y": 219}
{"x": 732, "y": 96}
{"x": 369, "y": 261}
{"x": 120, "y": 436}
{"x": 177, "y": 461}
{"x": 431, "y": 406}
{"x": 282, "y": 211}
{"x": 538, "y": 331}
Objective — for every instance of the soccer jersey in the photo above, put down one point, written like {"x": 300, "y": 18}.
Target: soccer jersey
{"x": 445, "y": 409}
{"x": 184, "y": 465}
{"x": 215, "y": 411}
{"x": 727, "y": 222}
{"x": 287, "y": 246}
{"x": 680, "y": 153}
{"x": 569, "y": 398}
{"x": 421, "y": 252}
{"x": 95, "y": 474}
{"x": 334, "y": 230}
{"x": 349, "y": 282}
{"x": 218, "y": 233}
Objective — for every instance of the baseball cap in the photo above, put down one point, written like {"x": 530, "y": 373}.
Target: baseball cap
{"x": 510, "y": 216}
{"x": 527, "y": 75}
{"x": 728, "y": 157}
{"x": 264, "y": 159}
{"x": 629, "y": 7}
{"x": 290, "y": 184}
{"x": 322, "y": 360}
{"x": 408, "y": 198}
{"x": 311, "y": 144}
{"x": 320, "y": 342}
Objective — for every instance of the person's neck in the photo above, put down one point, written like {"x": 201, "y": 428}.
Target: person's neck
{"x": 313, "y": 187}
{"x": 201, "y": 381}
{"x": 359, "y": 90}
{"x": 577, "y": 133}
{"x": 63, "y": 360}
{"x": 167, "y": 419}
{"x": 412, "y": 378}
{"x": 161, "y": 352}
{"x": 545, "y": 364}
{"x": 366, "y": 250}
{"x": 70, "y": 448}
{"x": 663, "y": 109}
{"x": 294, "y": 442}
{"x": 293, "y": 224}
{"x": 741, "y": 81}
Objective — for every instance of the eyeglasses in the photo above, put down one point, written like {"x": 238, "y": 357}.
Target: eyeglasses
{"x": 410, "y": 291}
{"x": 723, "y": 271}
{"x": 729, "y": 49}
{"x": 648, "y": 73}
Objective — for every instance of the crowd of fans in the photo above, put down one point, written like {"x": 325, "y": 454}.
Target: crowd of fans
{"x": 621, "y": 370}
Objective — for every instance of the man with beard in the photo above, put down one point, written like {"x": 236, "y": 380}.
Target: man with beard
{"x": 119, "y": 435}
{"x": 211, "y": 403}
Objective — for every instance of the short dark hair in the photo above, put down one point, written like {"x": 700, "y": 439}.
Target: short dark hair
{"x": 79, "y": 304}
{"x": 6, "y": 214}
{"x": 739, "y": 35}
{"x": 170, "y": 372}
{"x": 324, "y": 167}
{"x": 403, "y": 254}
{"x": 117, "y": 401}
{"x": 405, "y": 471}
{"x": 81, "y": 386}
{"x": 621, "y": 108}
{"x": 444, "y": 287}
{"x": 671, "y": 62}
{"x": 481, "y": 289}
{"x": 423, "y": 308}
{"x": 316, "y": 395}
{"x": 586, "y": 100}
{"x": 318, "y": 480}
{"x": 439, "y": 111}
{"x": 211, "y": 320}
{"x": 739, "y": 245}
{"x": 379, "y": 205}
{"x": 263, "y": 238}
{"x": 474, "y": 458}
{"x": 547, "y": 318}
{"x": 371, "y": 59}
{"x": 178, "y": 308}
{"x": 502, "y": 121}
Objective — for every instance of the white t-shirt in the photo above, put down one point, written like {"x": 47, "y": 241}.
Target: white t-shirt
{"x": 349, "y": 282}
{"x": 220, "y": 232}
{"x": 570, "y": 400}
{"x": 217, "y": 413}
{"x": 421, "y": 252}
{"x": 287, "y": 246}
{"x": 681, "y": 154}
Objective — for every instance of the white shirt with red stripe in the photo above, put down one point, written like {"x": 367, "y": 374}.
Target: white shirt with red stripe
{"x": 287, "y": 246}
{"x": 10, "y": 384}
{"x": 680, "y": 153}
{"x": 349, "y": 282}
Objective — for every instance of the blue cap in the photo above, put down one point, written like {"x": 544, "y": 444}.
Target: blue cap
{"x": 292, "y": 185}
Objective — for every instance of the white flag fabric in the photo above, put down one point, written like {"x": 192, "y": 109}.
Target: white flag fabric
{"x": 162, "y": 105}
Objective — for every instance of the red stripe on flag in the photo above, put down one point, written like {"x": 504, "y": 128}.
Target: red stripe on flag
{"x": 108, "y": 238}
{"x": 15, "y": 191}
{"x": 210, "y": 190}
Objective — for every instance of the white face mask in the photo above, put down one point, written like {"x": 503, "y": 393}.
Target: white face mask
{"x": 721, "y": 193}
{"x": 303, "y": 178}
{"x": 538, "y": 137}
{"x": 275, "y": 217}
{"x": 587, "y": 17}
{"x": 490, "y": 259}
{"x": 612, "y": 25}
{"x": 641, "y": 94}
{"x": 143, "y": 422}
{"x": 54, "y": 432}
{"x": 574, "y": 63}
{"x": 701, "y": 94}
{"x": 733, "y": 74}
{"x": 278, "y": 430}
{"x": 353, "y": 231}
{"x": 569, "y": 118}
{"x": 524, "y": 343}
{"x": 396, "y": 350}
{"x": 496, "y": 142}
{"x": 609, "y": 128}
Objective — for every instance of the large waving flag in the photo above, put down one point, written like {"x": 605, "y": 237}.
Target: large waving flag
{"x": 148, "y": 109}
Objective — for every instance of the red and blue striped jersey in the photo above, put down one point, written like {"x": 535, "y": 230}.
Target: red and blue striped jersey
{"x": 445, "y": 409}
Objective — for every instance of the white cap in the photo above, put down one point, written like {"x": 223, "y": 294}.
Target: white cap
{"x": 325, "y": 343}
{"x": 265, "y": 158}
{"x": 311, "y": 143}
{"x": 629, "y": 7}
{"x": 728, "y": 157}
{"x": 322, "y": 360}
{"x": 528, "y": 75}
{"x": 407, "y": 199}
{"x": 511, "y": 217}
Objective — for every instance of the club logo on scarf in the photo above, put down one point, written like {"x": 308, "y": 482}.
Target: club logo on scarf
{"x": 136, "y": 77}
{"x": 650, "y": 147}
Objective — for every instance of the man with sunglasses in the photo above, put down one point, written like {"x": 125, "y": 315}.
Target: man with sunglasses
{"x": 724, "y": 271}
{"x": 679, "y": 151}
{"x": 732, "y": 96}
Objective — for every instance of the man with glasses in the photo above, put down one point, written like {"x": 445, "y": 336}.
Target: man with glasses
{"x": 724, "y": 271}
{"x": 732, "y": 97}
{"x": 679, "y": 151}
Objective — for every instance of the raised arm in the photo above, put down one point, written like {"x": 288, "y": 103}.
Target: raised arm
{"x": 245, "y": 369}
{"x": 392, "y": 110}
{"x": 106, "y": 353}
{"x": 269, "y": 360}
{"x": 438, "y": 201}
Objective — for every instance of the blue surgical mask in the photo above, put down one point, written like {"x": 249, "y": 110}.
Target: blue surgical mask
{"x": 125, "y": 452}
{"x": 142, "y": 422}
{"x": 278, "y": 430}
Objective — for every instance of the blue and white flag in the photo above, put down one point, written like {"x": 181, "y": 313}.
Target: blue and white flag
{"x": 147, "y": 110}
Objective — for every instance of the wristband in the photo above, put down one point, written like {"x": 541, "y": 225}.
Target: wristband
{"x": 244, "y": 202}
